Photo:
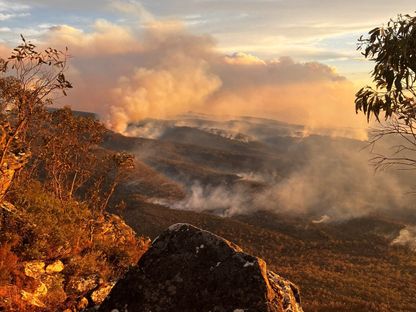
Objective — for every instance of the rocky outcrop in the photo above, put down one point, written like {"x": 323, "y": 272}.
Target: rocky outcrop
{"x": 71, "y": 281}
{"x": 188, "y": 269}
{"x": 50, "y": 283}
{"x": 13, "y": 160}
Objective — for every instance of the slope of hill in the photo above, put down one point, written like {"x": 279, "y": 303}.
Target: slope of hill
{"x": 343, "y": 260}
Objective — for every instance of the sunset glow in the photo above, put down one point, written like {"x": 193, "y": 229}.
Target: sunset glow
{"x": 212, "y": 50}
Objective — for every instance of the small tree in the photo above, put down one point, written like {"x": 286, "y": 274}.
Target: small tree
{"x": 393, "y": 50}
{"x": 67, "y": 158}
{"x": 29, "y": 79}
{"x": 63, "y": 151}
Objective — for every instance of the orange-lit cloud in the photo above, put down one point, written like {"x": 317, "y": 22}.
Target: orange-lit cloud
{"x": 105, "y": 39}
{"x": 159, "y": 69}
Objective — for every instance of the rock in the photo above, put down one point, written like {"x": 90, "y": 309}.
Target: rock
{"x": 55, "y": 284}
{"x": 13, "y": 161}
{"x": 34, "y": 269}
{"x": 113, "y": 229}
{"x": 101, "y": 293}
{"x": 84, "y": 285}
{"x": 188, "y": 269}
{"x": 82, "y": 304}
{"x": 55, "y": 267}
{"x": 36, "y": 297}
{"x": 50, "y": 289}
{"x": 32, "y": 299}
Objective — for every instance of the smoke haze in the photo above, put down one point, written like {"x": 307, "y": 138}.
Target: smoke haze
{"x": 158, "y": 69}
{"x": 310, "y": 175}
{"x": 407, "y": 237}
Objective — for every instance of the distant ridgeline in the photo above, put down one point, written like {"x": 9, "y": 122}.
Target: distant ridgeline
{"x": 76, "y": 113}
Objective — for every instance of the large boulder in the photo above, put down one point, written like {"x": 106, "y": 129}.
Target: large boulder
{"x": 189, "y": 269}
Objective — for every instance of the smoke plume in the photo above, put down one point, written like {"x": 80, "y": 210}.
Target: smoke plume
{"x": 158, "y": 69}
{"x": 313, "y": 176}
{"x": 407, "y": 237}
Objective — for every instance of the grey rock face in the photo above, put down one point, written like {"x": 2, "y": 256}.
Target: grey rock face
{"x": 189, "y": 269}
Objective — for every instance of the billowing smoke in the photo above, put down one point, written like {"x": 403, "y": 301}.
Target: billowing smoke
{"x": 126, "y": 76}
{"x": 321, "y": 177}
{"x": 182, "y": 82}
{"x": 158, "y": 69}
{"x": 322, "y": 219}
{"x": 217, "y": 200}
{"x": 407, "y": 237}
{"x": 334, "y": 178}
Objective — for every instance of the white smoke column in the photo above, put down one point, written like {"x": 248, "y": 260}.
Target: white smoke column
{"x": 202, "y": 199}
{"x": 323, "y": 219}
{"x": 407, "y": 237}
{"x": 180, "y": 80}
{"x": 158, "y": 69}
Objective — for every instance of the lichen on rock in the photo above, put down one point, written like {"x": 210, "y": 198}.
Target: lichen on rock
{"x": 189, "y": 269}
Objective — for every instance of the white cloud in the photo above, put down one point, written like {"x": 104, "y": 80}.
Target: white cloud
{"x": 133, "y": 7}
{"x": 12, "y": 6}
{"x": 10, "y": 10}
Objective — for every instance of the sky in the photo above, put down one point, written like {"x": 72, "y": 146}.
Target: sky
{"x": 319, "y": 30}
{"x": 211, "y": 42}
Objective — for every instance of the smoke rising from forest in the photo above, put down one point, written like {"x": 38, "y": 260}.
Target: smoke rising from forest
{"x": 159, "y": 69}
{"x": 406, "y": 237}
{"x": 313, "y": 175}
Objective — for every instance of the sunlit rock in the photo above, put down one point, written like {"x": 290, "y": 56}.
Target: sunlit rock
{"x": 82, "y": 304}
{"x": 34, "y": 269}
{"x": 13, "y": 160}
{"x": 55, "y": 267}
{"x": 36, "y": 297}
{"x": 101, "y": 293}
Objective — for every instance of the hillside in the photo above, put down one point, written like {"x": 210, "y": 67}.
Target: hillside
{"x": 348, "y": 264}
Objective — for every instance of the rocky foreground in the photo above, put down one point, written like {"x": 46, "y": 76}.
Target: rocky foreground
{"x": 189, "y": 269}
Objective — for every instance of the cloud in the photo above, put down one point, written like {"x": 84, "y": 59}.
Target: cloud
{"x": 241, "y": 58}
{"x": 10, "y": 10}
{"x": 267, "y": 28}
{"x": 11, "y": 6}
{"x": 270, "y": 27}
{"x": 105, "y": 39}
{"x": 7, "y": 16}
{"x": 132, "y": 7}
{"x": 158, "y": 68}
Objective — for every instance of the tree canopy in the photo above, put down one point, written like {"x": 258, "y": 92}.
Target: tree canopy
{"x": 393, "y": 50}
